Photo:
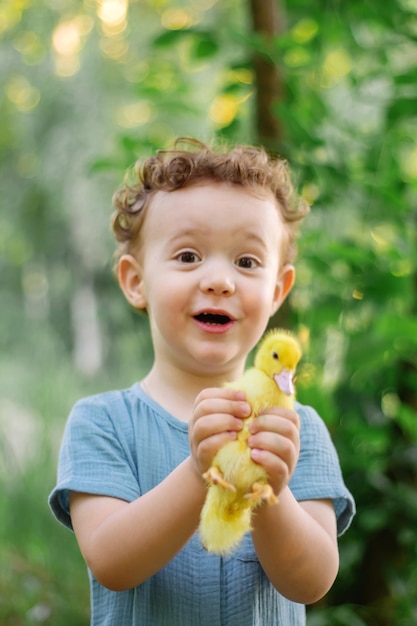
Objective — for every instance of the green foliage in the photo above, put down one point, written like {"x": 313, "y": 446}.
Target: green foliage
{"x": 83, "y": 99}
{"x": 349, "y": 115}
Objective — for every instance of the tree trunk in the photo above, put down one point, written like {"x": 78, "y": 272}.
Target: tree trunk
{"x": 267, "y": 21}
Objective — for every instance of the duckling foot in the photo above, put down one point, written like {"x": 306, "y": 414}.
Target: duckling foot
{"x": 214, "y": 476}
{"x": 261, "y": 491}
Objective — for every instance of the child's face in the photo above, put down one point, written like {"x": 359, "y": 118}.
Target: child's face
{"x": 208, "y": 273}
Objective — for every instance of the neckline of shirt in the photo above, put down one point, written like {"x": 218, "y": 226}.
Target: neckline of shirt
{"x": 138, "y": 390}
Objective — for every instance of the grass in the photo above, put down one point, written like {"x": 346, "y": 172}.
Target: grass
{"x": 43, "y": 579}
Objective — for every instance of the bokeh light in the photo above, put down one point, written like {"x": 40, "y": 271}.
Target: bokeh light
{"x": 337, "y": 64}
{"x": 66, "y": 38}
{"x": 134, "y": 114}
{"x": 176, "y": 19}
{"x": 30, "y": 47}
{"x": 23, "y": 95}
{"x": 304, "y": 30}
{"x": 67, "y": 42}
{"x": 113, "y": 16}
{"x": 112, "y": 11}
{"x": 114, "y": 48}
{"x": 225, "y": 107}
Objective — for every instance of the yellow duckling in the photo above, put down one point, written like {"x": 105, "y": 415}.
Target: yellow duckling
{"x": 237, "y": 485}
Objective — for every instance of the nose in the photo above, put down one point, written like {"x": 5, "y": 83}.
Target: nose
{"x": 217, "y": 280}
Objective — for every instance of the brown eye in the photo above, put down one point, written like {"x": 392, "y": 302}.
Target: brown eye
{"x": 188, "y": 257}
{"x": 247, "y": 263}
{"x": 275, "y": 355}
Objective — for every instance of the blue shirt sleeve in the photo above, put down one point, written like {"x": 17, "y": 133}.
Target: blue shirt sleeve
{"x": 96, "y": 454}
{"x": 318, "y": 474}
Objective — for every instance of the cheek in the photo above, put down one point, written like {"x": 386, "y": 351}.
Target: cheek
{"x": 159, "y": 288}
{"x": 166, "y": 303}
{"x": 261, "y": 299}
{"x": 258, "y": 311}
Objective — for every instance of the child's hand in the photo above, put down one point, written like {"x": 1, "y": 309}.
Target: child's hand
{"x": 217, "y": 417}
{"x": 275, "y": 443}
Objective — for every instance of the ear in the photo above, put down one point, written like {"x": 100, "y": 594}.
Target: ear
{"x": 285, "y": 282}
{"x": 131, "y": 282}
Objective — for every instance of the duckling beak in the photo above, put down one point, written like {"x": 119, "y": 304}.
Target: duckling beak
{"x": 284, "y": 381}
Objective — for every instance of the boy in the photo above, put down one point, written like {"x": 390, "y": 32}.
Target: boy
{"x": 206, "y": 244}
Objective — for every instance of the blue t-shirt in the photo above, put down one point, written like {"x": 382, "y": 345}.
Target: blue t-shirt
{"x": 122, "y": 444}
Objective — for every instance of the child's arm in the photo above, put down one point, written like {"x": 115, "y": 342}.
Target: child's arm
{"x": 125, "y": 543}
{"x": 296, "y": 542}
{"x": 297, "y": 547}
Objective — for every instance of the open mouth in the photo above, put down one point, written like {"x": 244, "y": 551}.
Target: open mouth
{"x": 213, "y": 318}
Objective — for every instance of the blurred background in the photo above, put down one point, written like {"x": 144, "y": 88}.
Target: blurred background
{"x": 87, "y": 87}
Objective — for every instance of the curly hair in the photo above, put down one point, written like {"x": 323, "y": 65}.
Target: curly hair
{"x": 244, "y": 166}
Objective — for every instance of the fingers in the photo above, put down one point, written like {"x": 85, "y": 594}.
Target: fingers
{"x": 276, "y": 419}
{"x": 217, "y": 417}
{"x": 222, "y": 409}
{"x": 227, "y": 400}
{"x": 275, "y": 444}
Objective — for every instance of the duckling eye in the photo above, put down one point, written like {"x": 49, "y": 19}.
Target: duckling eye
{"x": 275, "y": 355}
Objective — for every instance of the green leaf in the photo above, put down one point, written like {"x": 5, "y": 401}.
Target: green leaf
{"x": 170, "y": 38}
{"x": 204, "y": 48}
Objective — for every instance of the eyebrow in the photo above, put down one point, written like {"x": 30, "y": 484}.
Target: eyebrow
{"x": 192, "y": 231}
{"x": 182, "y": 235}
{"x": 250, "y": 238}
